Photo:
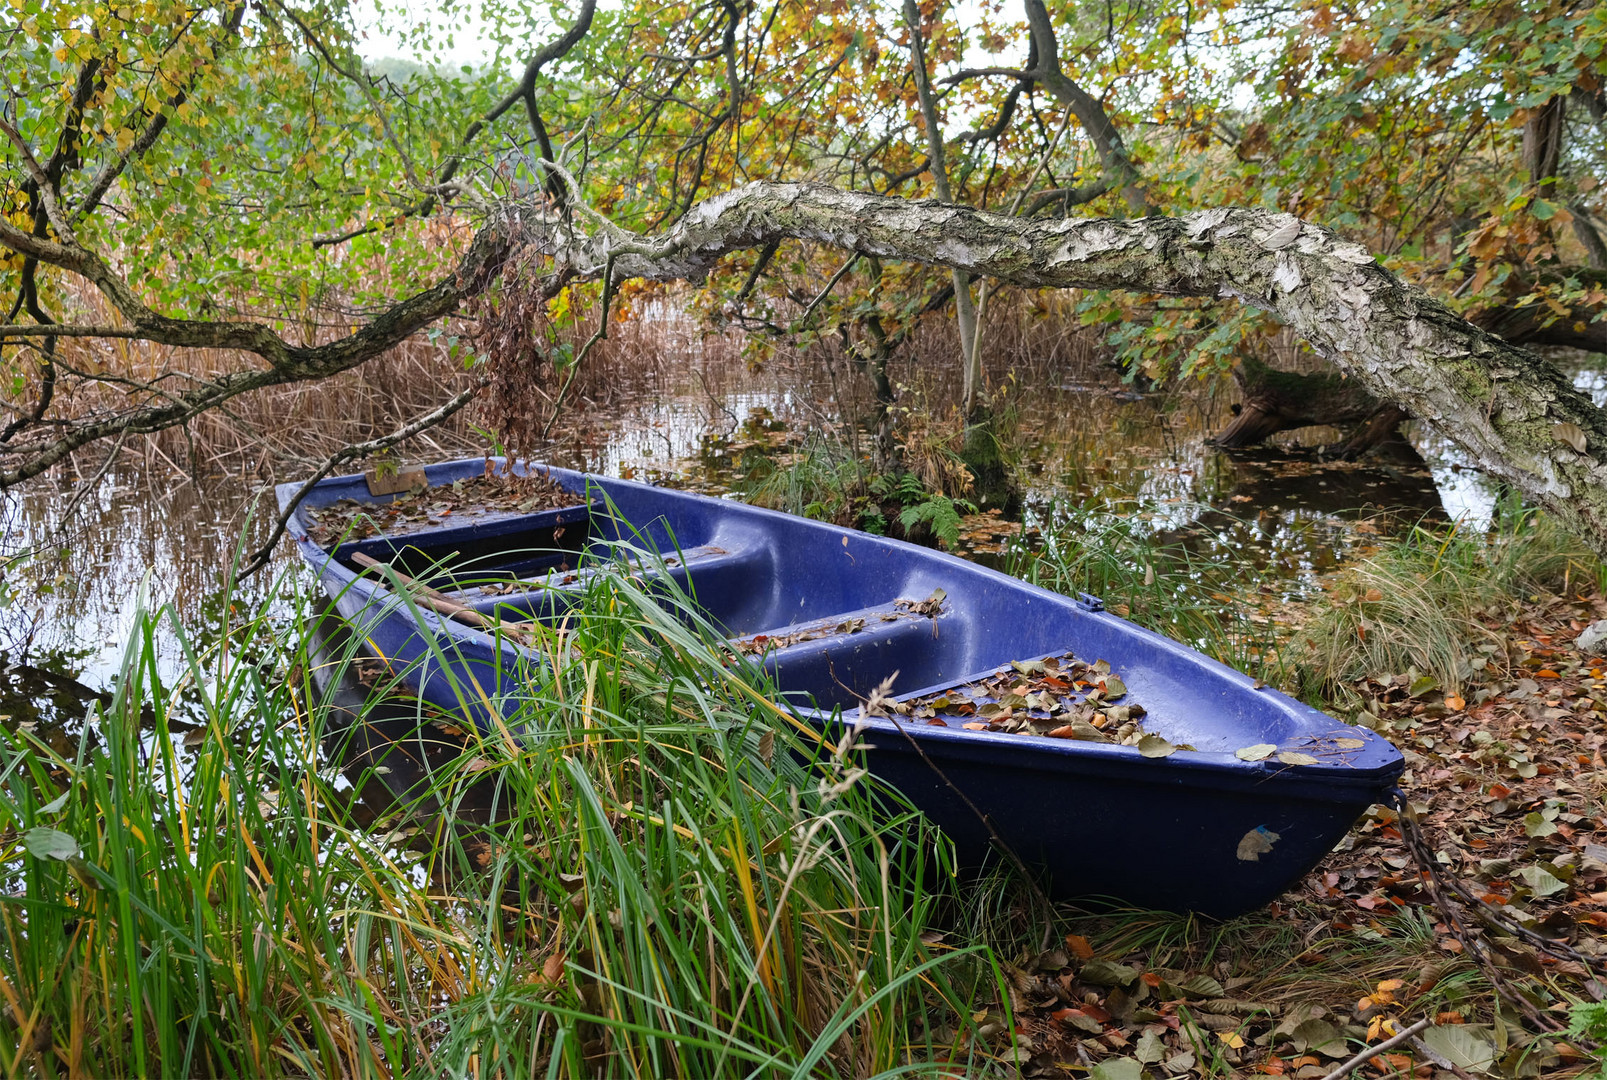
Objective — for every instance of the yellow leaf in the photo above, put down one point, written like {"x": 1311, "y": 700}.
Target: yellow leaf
{"x": 1232, "y": 1038}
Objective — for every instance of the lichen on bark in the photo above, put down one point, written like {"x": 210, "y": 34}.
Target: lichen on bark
{"x": 1500, "y": 403}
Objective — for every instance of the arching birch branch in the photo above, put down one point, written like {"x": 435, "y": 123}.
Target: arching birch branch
{"x": 1519, "y": 417}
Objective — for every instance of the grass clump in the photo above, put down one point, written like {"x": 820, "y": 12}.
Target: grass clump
{"x": 1158, "y": 583}
{"x": 1436, "y": 601}
{"x": 667, "y": 876}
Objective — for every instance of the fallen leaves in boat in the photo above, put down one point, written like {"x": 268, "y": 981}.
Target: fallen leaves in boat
{"x": 930, "y": 608}
{"x": 471, "y": 497}
{"x": 1060, "y": 697}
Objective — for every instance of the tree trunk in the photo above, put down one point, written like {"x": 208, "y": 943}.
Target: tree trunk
{"x": 1519, "y": 417}
{"x": 1277, "y": 401}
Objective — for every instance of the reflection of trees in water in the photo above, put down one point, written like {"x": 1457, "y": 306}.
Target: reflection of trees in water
{"x": 74, "y": 598}
{"x": 1291, "y": 511}
{"x": 46, "y": 702}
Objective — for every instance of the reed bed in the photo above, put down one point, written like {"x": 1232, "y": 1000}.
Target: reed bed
{"x": 675, "y": 877}
{"x": 280, "y": 431}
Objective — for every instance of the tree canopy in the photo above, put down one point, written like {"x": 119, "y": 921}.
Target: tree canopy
{"x": 239, "y": 178}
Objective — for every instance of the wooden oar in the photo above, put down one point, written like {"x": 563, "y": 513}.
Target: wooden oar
{"x": 439, "y": 602}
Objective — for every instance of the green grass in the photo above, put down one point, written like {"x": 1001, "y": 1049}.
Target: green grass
{"x": 1436, "y": 600}
{"x": 676, "y": 880}
{"x": 1201, "y": 602}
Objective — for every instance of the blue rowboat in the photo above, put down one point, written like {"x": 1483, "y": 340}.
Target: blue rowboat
{"x": 1123, "y": 764}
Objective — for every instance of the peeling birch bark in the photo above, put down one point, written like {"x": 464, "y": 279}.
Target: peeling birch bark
{"x": 1517, "y": 416}
{"x": 1514, "y": 414}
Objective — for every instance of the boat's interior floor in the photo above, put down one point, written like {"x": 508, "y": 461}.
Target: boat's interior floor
{"x": 828, "y": 661}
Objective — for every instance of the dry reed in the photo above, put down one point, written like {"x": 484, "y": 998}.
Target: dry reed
{"x": 281, "y": 431}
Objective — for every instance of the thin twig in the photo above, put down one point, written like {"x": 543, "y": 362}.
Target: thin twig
{"x": 260, "y": 557}
{"x": 842, "y": 272}
{"x": 1473, "y": 944}
{"x": 1373, "y": 1051}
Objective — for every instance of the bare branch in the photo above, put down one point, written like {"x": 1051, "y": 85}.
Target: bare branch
{"x": 1021, "y": 74}
{"x": 66, "y": 330}
{"x": 260, "y": 557}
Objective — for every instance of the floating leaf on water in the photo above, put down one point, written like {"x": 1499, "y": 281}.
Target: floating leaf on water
{"x": 1258, "y": 752}
{"x": 1256, "y": 843}
{"x": 1156, "y": 746}
{"x": 43, "y": 843}
{"x": 1295, "y": 757}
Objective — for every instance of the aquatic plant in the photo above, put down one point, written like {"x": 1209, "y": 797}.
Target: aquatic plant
{"x": 644, "y": 867}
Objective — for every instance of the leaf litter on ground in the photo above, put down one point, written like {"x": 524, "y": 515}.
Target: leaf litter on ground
{"x": 1507, "y": 780}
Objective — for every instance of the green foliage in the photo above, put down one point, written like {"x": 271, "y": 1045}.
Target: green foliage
{"x": 678, "y": 879}
{"x": 1588, "y": 1020}
{"x": 940, "y": 513}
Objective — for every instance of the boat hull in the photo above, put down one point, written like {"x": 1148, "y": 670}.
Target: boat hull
{"x": 1198, "y": 830}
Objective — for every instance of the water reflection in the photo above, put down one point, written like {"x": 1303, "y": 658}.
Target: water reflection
{"x": 1086, "y": 442}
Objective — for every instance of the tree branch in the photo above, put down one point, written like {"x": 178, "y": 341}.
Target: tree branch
{"x": 260, "y": 557}
{"x": 287, "y": 363}
{"x": 1510, "y": 410}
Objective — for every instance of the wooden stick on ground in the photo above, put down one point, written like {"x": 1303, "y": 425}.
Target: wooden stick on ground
{"x": 1373, "y": 1051}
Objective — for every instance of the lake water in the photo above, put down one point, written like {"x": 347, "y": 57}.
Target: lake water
{"x": 143, "y": 536}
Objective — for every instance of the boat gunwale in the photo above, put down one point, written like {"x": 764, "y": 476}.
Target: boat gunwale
{"x": 1376, "y": 778}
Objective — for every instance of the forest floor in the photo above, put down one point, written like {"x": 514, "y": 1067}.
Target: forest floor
{"x": 1506, "y": 781}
